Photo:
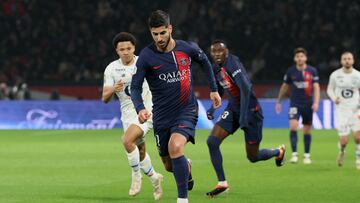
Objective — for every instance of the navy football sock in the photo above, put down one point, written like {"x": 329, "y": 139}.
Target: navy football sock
{"x": 181, "y": 174}
{"x": 264, "y": 154}
{"x": 216, "y": 157}
{"x": 307, "y": 143}
{"x": 293, "y": 140}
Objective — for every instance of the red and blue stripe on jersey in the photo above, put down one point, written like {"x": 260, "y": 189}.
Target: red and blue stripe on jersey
{"x": 301, "y": 84}
{"x": 235, "y": 82}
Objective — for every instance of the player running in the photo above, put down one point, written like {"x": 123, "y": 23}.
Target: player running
{"x": 166, "y": 64}
{"x": 303, "y": 80}
{"x": 243, "y": 111}
{"x": 117, "y": 79}
{"x": 343, "y": 90}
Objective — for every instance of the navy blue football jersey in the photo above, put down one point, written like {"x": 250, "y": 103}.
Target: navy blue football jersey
{"x": 169, "y": 77}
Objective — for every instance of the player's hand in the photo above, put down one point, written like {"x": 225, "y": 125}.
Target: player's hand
{"x": 216, "y": 99}
{"x": 210, "y": 113}
{"x": 337, "y": 100}
{"x": 119, "y": 86}
{"x": 315, "y": 107}
{"x": 278, "y": 108}
{"x": 144, "y": 115}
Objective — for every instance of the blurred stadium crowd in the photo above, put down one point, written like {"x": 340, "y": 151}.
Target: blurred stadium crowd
{"x": 69, "y": 41}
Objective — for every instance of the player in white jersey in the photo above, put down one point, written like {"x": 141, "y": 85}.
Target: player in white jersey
{"x": 117, "y": 80}
{"x": 343, "y": 90}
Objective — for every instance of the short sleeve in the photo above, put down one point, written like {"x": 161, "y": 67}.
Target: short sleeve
{"x": 108, "y": 77}
{"x": 315, "y": 76}
{"x": 287, "y": 78}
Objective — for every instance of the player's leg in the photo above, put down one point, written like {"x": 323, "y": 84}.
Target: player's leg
{"x": 214, "y": 141}
{"x": 343, "y": 140}
{"x": 307, "y": 114}
{"x": 180, "y": 165}
{"x": 132, "y": 134}
{"x": 145, "y": 162}
{"x": 253, "y": 137}
{"x": 293, "y": 123}
{"x": 357, "y": 142}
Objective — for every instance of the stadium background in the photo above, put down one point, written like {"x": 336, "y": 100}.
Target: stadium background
{"x": 58, "y": 50}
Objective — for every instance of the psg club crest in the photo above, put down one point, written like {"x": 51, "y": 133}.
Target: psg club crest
{"x": 184, "y": 61}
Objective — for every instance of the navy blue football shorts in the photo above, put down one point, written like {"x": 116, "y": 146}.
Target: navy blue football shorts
{"x": 229, "y": 121}
{"x": 305, "y": 111}
{"x": 185, "y": 125}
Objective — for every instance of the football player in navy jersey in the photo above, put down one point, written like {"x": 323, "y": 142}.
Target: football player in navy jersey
{"x": 166, "y": 64}
{"x": 243, "y": 111}
{"x": 303, "y": 81}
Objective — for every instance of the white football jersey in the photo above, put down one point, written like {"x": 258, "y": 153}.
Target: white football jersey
{"x": 116, "y": 71}
{"x": 346, "y": 87}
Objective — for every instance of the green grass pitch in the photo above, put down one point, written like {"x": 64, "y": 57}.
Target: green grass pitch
{"x": 91, "y": 166}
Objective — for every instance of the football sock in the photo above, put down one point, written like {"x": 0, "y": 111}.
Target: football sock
{"x": 341, "y": 147}
{"x": 181, "y": 174}
{"x": 216, "y": 157}
{"x": 223, "y": 183}
{"x": 182, "y": 200}
{"x": 264, "y": 154}
{"x": 147, "y": 167}
{"x": 134, "y": 159}
{"x": 358, "y": 151}
{"x": 307, "y": 143}
{"x": 293, "y": 140}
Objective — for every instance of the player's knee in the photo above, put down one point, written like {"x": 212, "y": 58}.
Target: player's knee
{"x": 252, "y": 158}
{"x": 213, "y": 142}
{"x": 175, "y": 148}
{"x": 128, "y": 144}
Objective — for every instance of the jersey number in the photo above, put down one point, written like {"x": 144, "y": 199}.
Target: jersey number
{"x": 347, "y": 93}
{"x": 225, "y": 115}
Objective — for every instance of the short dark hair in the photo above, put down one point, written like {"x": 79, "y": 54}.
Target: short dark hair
{"x": 158, "y": 18}
{"x": 347, "y": 52}
{"x": 300, "y": 50}
{"x": 123, "y": 37}
{"x": 220, "y": 41}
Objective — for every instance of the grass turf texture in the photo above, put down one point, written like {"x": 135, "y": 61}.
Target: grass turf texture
{"x": 91, "y": 166}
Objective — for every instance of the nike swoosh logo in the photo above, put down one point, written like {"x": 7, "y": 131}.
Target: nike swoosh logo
{"x": 156, "y": 67}
{"x": 181, "y": 126}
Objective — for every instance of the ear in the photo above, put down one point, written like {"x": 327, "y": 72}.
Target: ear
{"x": 170, "y": 27}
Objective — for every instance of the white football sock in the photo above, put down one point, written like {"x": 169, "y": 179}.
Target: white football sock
{"x": 147, "y": 167}
{"x": 182, "y": 200}
{"x": 307, "y": 155}
{"x": 134, "y": 159}
{"x": 358, "y": 151}
{"x": 223, "y": 183}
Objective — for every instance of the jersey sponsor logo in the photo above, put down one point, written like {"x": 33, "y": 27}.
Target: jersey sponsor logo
{"x": 236, "y": 72}
{"x": 175, "y": 76}
{"x": 347, "y": 93}
{"x": 119, "y": 69}
{"x": 301, "y": 84}
{"x": 156, "y": 67}
{"x": 127, "y": 90}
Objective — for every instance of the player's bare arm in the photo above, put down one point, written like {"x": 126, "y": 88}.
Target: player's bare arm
{"x": 315, "y": 105}
{"x": 283, "y": 90}
{"x": 108, "y": 91}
